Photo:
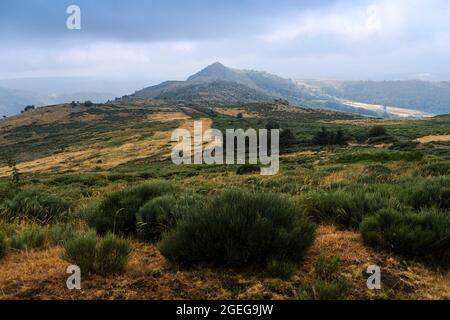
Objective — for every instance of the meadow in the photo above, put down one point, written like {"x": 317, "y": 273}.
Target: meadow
{"x": 95, "y": 187}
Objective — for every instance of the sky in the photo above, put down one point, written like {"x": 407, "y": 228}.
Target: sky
{"x": 159, "y": 40}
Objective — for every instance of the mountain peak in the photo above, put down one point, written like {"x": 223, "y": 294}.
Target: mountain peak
{"x": 215, "y": 71}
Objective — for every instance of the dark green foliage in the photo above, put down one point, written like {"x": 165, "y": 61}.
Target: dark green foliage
{"x": 248, "y": 168}
{"x": 238, "y": 228}
{"x": 3, "y": 246}
{"x": 429, "y": 193}
{"x": 36, "y": 206}
{"x": 287, "y": 139}
{"x": 421, "y": 235}
{"x": 98, "y": 255}
{"x": 272, "y": 124}
{"x": 117, "y": 212}
{"x": 161, "y": 214}
{"x": 376, "y": 131}
{"x": 88, "y": 103}
{"x": 326, "y": 137}
{"x": 281, "y": 269}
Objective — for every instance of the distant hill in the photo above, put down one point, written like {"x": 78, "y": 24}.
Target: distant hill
{"x": 425, "y": 96}
{"x": 219, "y": 84}
{"x": 13, "y": 101}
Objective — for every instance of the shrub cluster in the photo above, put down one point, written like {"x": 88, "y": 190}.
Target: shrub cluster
{"x": 3, "y": 245}
{"x": 98, "y": 255}
{"x": 325, "y": 137}
{"x": 344, "y": 207}
{"x": 424, "y": 235}
{"x": 329, "y": 284}
{"x": 35, "y": 206}
{"x": 160, "y": 214}
{"x": 117, "y": 212}
{"x": 238, "y": 228}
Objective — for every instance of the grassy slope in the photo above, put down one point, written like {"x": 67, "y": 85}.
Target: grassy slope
{"x": 304, "y": 167}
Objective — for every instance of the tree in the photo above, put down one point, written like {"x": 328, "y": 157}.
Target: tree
{"x": 88, "y": 103}
{"x": 28, "y": 108}
{"x": 272, "y": 124}
{"x": 376, "y": 131}
{"x": 287, "y": 138}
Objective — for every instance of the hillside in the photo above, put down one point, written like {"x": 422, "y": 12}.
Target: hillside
{"x": 222, "y": 85}
{"x": 71, "y": 159}
{"x": 425, "y": 96}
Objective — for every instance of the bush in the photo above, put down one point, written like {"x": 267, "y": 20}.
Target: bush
{"x": 3, "y": 246}
{"x": 240, "y": 229}
{"x": 428, "y": 193}
{"x": 327, "y": 268}
{"x": 248, "y": 168}
{"x": 344, "y": 207}
{"x": 435, "y": 169}
{"x": 325, "y": 137}
{"x": 98, "y": 255}
{"x": 35, "y": 206}
{"x": 160, "y": 214}
{"x": 423, "y": 235}
{"x": 377, "y": 131}
{"x": 281, "y": 269}
{"x": 117, "y": 212}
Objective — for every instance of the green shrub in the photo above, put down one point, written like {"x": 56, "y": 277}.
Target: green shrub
{"x": 429, "y": 192}
{"x": 327, "y": 268}
{"x": 35, "y": 206}
{"x": 281, "y": 269}
{"x": 344, "y": 207}
{"x": 3, "y": 246}
{"x": 376, "y": 131}
{"x": 27, "y": 237}
{"x": 81, "y": 250}
{"x": 98, "y": 255}
{"x": 117, "y": 212}
{"x": 238, "y": 228}
{"x": 248, "y": 168}
{"x": 323, "y": 290}
{"x": 160, "y": 214}
{"x": 423, "y": 235}
{"x": 435, "y": 169}
{"x": 112, "y": 254}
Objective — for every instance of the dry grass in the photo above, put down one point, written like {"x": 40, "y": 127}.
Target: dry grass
{"x": 132, "y": 146}
{"x": 233, "y": 112}
{"x": 433, "y": 138}
{"x": 41, "y": 275}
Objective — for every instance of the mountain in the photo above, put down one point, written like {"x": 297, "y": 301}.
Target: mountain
{"x": 219, "y": 84}
{"x": 238, "y": 85}
{"x": 425, "y": 96}
{"x": 12, "y": 101}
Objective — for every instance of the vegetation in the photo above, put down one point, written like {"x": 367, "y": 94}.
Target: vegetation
{"x": 418, "y": 235}
{"x": 117, "y": 212}
{"x": 96, "y": 255}
{"x": 108, "y": 168}
{"x": 36, "y": 206}
{"x": 240, "y": 229}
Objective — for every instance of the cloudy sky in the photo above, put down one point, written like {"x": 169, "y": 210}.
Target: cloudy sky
{"x": 160, "y": 40}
